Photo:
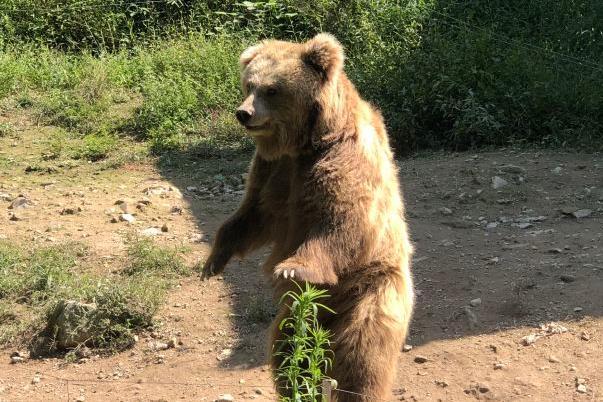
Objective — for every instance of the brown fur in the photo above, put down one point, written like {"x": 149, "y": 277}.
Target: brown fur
{"x": 323, "y": 191}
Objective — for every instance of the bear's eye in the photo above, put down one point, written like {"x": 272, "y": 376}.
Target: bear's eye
{"x": 271, "y": 91}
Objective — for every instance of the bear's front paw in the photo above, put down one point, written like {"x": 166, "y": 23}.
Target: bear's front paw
{"x": 286, "y": 272}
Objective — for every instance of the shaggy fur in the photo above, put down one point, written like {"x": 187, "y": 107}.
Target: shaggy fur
{"x": 323, "y": 191}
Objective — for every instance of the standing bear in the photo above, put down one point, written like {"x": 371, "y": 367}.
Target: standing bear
{"x": 323, "y": 192}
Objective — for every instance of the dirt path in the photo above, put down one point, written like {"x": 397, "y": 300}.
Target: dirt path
{"x": 492, "y": 265}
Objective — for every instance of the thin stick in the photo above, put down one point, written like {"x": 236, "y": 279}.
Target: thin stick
{"x": 328, "y": 385}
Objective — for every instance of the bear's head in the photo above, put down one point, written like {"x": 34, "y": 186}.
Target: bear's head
{"x": 287, "y": 87}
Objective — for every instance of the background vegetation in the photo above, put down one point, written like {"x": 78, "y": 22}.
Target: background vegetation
{"x": 445, "y": 73}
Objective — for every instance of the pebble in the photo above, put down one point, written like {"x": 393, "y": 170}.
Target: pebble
{"x": 554, "y": 359}
{"x": 5, "y": 197}
{"x": 407, "y": 348}
{"x": 164, "y": 228}
{"x": 36, "y": 379}
{"x": 498, "y": 182}
{"x": 127, "y": 218}
{"x": 582, "y": 213}
{"x": 475, "y": 302}
{"x": 499, "y": 366}
{"x": 445, "y": 211}
{"x": 80, "y": 398}
{"x": 150, "y": 232}
{"x": 567, "y": 278}
{"x": 557, "y": 170}
{"x": 258, "y": 391}
{"x": 225, "y": 398}
{"x": 578, "y": 309}
{"x": 581, "y": 388}
{"x": 529, "y": 339}
{"x": 420, "y": 359}
{"x": 511, "y": 169}
{"x": 20, "y": 202}
{"x": 584, "y": 336}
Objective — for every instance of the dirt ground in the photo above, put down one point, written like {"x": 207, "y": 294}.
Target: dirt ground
{"x": 492, "y": 267}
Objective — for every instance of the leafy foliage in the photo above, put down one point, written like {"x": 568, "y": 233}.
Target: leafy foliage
{"x": 304, "y": 351}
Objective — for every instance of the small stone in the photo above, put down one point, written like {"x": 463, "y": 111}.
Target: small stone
{"x": 20, "y": 202}
{"x": 553, "y": 359}
{"x": 159, "y": 346}
{"x": 498, "y": 182}
{"x": 585, "y": 336}
{"x": 127, "y": 218}
{"x": 578, "y": 309}
{"x": 420, "y": 359}
{"x": 242, "y": 381}
{"x": 172, "y": 343}
{"x": 164, "y": 228}
{"x": 441, "y": 383}
{"x": 192, "y": 189}
{"x": 582, "y": 213}
{"x": 529, "y": 339}
{"x": 581, "y": 388}
{"x": 499, "y": 366}
{"x": 36, "y": 379}
{"x": 554, "y": 251}
{"x": 16, "y": 359}
{"x": 557, "y": 170}
{"x": 150, "y": 232}
{"x": 5, "y": 197}
{"x": 406, "y": 348}
{"x": 176, "y": 210}
{"x": 71, "y": 211}
{"x": 224, "y": 354}
{"x": 13, "y": 217}
{"x": 524, "y": 225}
{"x": 483, "y": 388}
{"x": 475, "y": 302}
{"x": 114, "y": 219}
{"x": 225, "y": 398}
{"x": 445, "y": 211}
{"x": 81, "y": 398}
{"x": 492, "y": 225}
{"x": 258, "y": 391}
{"x": 567, "y": 278}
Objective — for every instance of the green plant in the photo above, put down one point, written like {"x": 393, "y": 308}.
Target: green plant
{"x": 304, "y": 349}
{"x": 145, "y": 257}
{"x": 96, "y": 146}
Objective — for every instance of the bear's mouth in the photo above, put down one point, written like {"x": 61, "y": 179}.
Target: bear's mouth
{"x": 257, "y": 128}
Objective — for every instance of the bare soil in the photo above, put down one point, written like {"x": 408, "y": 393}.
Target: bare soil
{"x": 518, "y": 249}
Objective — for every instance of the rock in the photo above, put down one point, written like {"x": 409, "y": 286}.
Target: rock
{"x": 567, "y": 278}
{"x": 553, "y": 359}
{"x": 176, "y": 210}
{"x": 585, "y": 336}
{"x": 225, "y": 398}
{"x": 150, "y": 232}
{"x": 578, "y": 309}
{"x": 581, "y": 388}
{"x": 73, "y": 323}
{"x": 83, "y": 352}
{"x": 554, "y": 250}
{"x": 192, "y": 189}
{"x": 420, "y": 359}
{"x": 127, "y": 218}
{"x": 114, "y": 219}
{"x": 224, "y": 354}
{"x": 499, "y": 366}
{"x": 406, "y": 348}
{"x": 13, "y": 217}
{"x": 557, "y": 170}
{"x": 511, "y": 169}
{"x": 258, "y": 391}
{"x": 155, "y": 190}
{"x": 159, "y": 346}
{"x": 491, "y": 225}
{"x": 483, "y": 388}
{"x": 81, "y": 398}
{"x": 16, "y": 359}
{"x": 529, "y": 339}
{"x": 441, "y": 383}
{"x": 475, "y": 302}
{"x": 582, "y": 213}
{"x": 445, "y": 211}
{"x": 553, "y": 328}
{"x": 71, "y": 211}
{"x": 524, "y": 225}
{"x": 164, "y": 228}
{"x": 36, "y": 379}
{"x": 5, "y": 197}
{"x": 173, "y": 342}
{"x": 458, "y": 224}
{"x": 498, "y": 182}
{"x": 20, "y": 202}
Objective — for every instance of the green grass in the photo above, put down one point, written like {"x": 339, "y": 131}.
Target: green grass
{"x": 445, "y": 74}
{"x": 35, "y": 283}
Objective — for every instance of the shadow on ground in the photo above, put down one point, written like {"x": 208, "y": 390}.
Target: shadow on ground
{"x": 486, "y": 260}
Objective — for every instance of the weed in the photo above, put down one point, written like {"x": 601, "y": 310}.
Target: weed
{"x": 145, "y": 257}
{"x": 6, "y": 129}
{"x": 96, "y": 146}
{"x": 304, "y": 352}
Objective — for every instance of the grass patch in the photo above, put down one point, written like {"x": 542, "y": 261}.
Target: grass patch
{"x": 147, "y": 258}
{"x": 49, "y": 302}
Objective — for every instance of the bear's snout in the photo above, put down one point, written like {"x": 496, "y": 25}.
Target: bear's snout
{"x": 243, "y": 116}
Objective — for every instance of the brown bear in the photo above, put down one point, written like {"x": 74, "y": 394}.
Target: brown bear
{"x": 323, "y": 191}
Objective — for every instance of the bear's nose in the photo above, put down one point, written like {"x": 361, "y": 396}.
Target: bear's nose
{"x": 243, "y": 116}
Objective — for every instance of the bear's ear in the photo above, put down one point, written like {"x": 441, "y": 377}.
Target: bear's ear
{"x": 324, "y": 54}
{"x": 249, "y": 54}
